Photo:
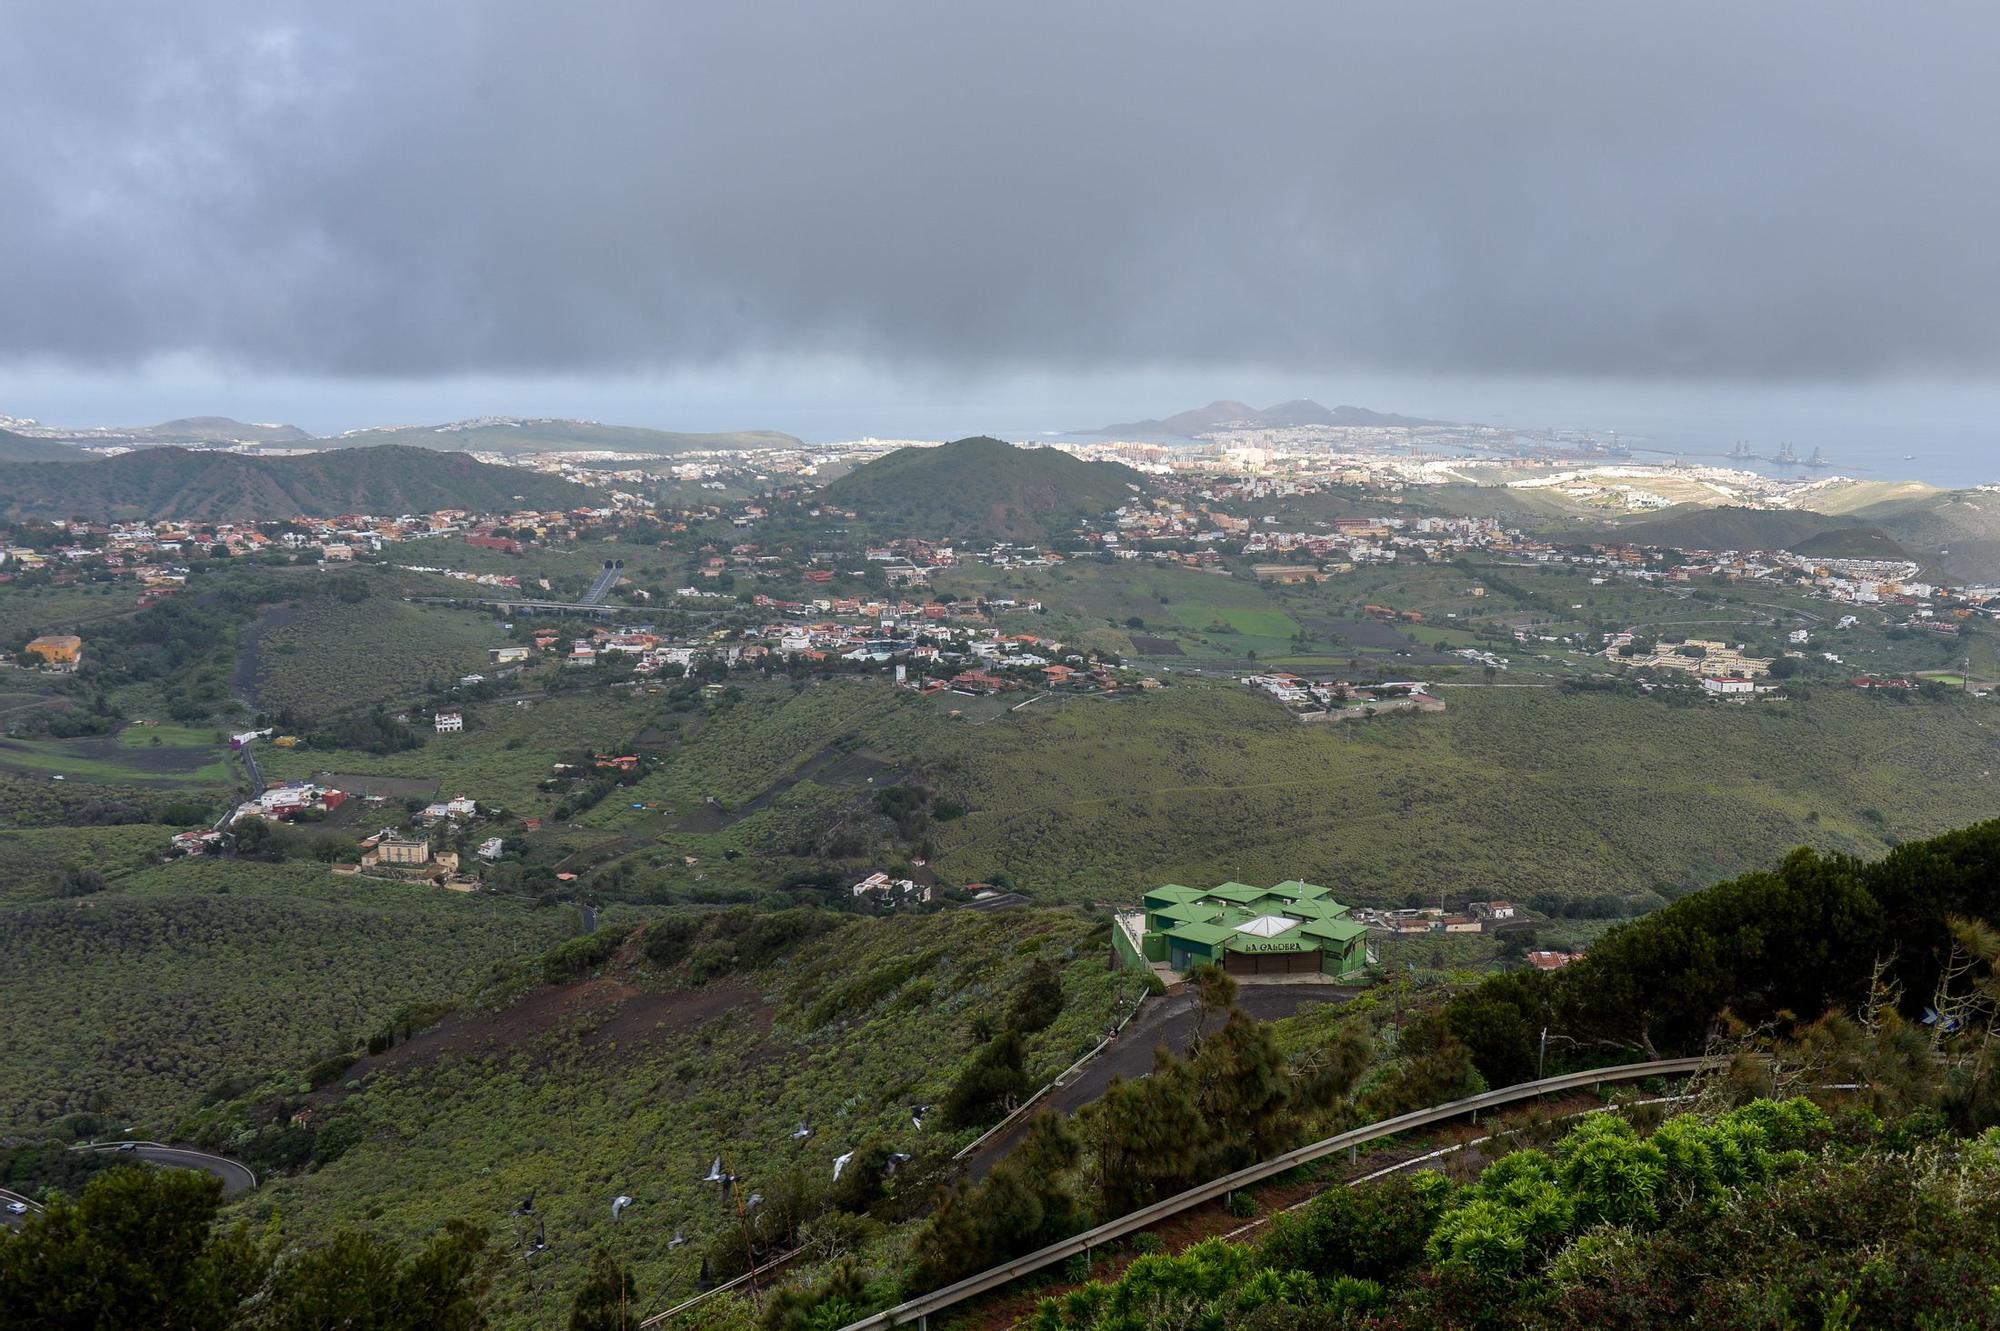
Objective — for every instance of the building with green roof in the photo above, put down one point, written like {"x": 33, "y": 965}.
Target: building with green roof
{"x": 1292, "y": 928}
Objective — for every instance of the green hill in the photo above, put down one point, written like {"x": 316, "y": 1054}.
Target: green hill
{"x": 1689, "y": 527}
{"x": 509, "y": 434}
{"x": 983, "y": 488}
{"x": 209, "y": 486}
{"x": 26, "y": 448}
{"x": 1850, "y": 543}
{"x": 1957, "y": 529}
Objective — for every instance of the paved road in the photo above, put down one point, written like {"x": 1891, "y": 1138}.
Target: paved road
{"x": 8, "y": 1217}
{"x": 236, "y": 1176}
{"x": 1169, "y": 1021}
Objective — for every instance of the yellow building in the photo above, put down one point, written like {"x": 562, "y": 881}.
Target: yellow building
{"x": 59, "y": 651}
{"x": 398, "y": 850}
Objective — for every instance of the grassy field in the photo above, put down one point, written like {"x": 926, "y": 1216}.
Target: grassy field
{"x": 171, "y": 737}
{"x": 628, "y": 1084}
{"x": 501, "y": 756}
{"x": 1510, "y": 792}
{"x": 325, "y": 655}
{"x": 107, "y": 759}
{"x": 25, "y": 612}
{"x": 569, "y": 568}
{"x": 138, "y": 998}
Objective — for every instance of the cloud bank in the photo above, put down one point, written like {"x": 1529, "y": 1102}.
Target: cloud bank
{"x": 1780, "y": 191}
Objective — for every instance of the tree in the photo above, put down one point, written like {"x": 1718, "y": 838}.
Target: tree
{"x": 356, "y": 1280}
{"x": 990, "y": 1087}
{"x": 134, "y": 1250}
{"x": 608, "y": 1298}
{"x": 139, "y": 1248}
{"x": 1039, "y": 1000}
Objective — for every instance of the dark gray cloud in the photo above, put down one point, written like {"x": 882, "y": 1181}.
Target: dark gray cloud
{"x": 1774, "y": 190}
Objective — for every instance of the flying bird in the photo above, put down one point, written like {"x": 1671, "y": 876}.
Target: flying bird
{"x": 677, "y": 1240}
{"x": 802, "y": 1131}
{"x": 840, "y": 1163}
{"x": 897, "y": 1158}
{"x": 541, "y": 1243}
{"x": 527, "y": 1206}
{"x": 917, "y": 1113}
{"x": 715, "y": 1174}
{"x": 618, "y": 1205}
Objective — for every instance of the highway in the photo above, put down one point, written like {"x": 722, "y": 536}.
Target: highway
{"x": 237, "y": 1177}
{"x": 919, "y": 1309}
{"x": 601, "y": 586}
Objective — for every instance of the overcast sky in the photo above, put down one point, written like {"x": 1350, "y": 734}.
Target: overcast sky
{"x": 355, "y": 211}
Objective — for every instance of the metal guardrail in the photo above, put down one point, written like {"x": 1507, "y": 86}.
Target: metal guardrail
{"x": 918, "y": 1309}
{"x": 1059, "y": 1080}
{"x": 140, "y": 1146}
{"x": 775, "y": 1264}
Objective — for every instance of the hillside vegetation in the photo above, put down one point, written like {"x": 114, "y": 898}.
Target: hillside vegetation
{"x": 27, "y": 448}
{"x": 702, "y": 1035}
{"x": 179, "y": 483}
{"x": 982, "y": 488}
{"x": 1522, "y": 792}
{"x": 1690, "y": 527}
{"x": 137, "y": 999}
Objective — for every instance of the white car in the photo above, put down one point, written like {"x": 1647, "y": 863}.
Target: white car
{"x": 17, "y": 1208}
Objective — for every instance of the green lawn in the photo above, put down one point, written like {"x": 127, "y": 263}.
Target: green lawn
{"x": 164, "y": 735}
{"x": 109, "y": 760}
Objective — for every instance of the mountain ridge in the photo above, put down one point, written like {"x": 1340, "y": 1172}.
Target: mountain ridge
{"x": 1227, "y": 413}
{"x": 176, "y": 483}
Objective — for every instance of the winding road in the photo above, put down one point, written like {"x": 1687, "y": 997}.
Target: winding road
{"x": 237, "y": 1177}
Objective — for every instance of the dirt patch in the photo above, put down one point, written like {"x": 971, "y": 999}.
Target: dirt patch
{"x": 388, "y": 787}
{"x": 250, "y": 659}
{"x": 1147, "y": 645}
{"x": 605, "y": 1010}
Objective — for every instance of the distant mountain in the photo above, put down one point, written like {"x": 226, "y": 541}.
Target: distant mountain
{"x": 188, "y": 430}
{"x": 218, "y": 430}
{"x": 517, "y": 434}
{"x": 179, "y": 483}
{"x": 1226, "y": 415}
{"x": 21, "y": 448}
{"x": 983, "y": 488}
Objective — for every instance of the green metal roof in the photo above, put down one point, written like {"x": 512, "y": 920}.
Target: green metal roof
{"x": 1340, "y": 931}
{"x": 1205, "y": 934}
{"x": 1240, "y": 893}
{"x": 1175, "y": 892}
{"x": 1188, "y": 912}
{"x": 1298, "y": 891}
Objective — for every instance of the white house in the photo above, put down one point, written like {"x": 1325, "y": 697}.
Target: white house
{"x": 1722, "y": 688}
{"x": 449, "y": 722}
